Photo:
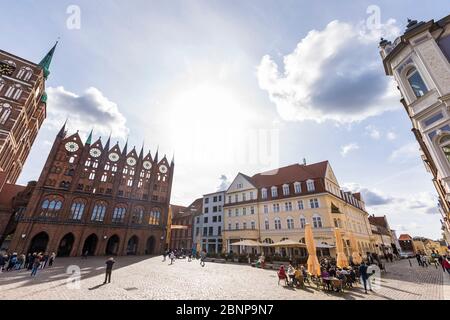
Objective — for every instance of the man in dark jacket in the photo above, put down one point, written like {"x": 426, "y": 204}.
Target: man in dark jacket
{"x": 363, "y": 274}
{"x": 109, "y": 265}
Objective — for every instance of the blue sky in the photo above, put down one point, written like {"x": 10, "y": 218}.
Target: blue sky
{"x": 209, "y": 80}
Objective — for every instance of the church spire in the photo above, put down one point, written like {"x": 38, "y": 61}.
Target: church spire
{"x": 62, "y": 132}
{"x": 108, "y": 142}
{"x": 45, "y": 63}
{"x": 141, "y": 154}
{"x": 89, "y": 139}
{"x": 124, "y": 152}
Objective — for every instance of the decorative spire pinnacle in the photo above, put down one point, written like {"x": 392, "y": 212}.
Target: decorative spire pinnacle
{"x": 62, "y": 132}
{"x": 89, "y": 139}
{"x": 47, "y": 60}
{"x": 108, "y": 142}
{"x": 173, "y": 159}
{"x": 125, "y": 147}
{"x": 141, "y": 154}
{"x": 156, "y": 154}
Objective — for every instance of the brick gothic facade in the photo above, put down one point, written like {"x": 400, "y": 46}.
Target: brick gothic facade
{"x": 98, "y": 199}
{"x": 22, "y": 110}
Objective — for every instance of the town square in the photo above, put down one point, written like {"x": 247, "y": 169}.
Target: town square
{"x": 222, "y": 150}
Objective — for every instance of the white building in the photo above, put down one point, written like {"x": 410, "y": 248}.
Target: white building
{"x": 419, "y": 62}
{"x": 208, "y": 226}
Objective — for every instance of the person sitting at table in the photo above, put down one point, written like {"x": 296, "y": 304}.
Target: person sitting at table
{"x": 290, "y": 272}
{"x": 326, "y": 278}
{"x": 332, "y": 271}
{"x": 282, "y": 275}
{"x": 298, "y": 277}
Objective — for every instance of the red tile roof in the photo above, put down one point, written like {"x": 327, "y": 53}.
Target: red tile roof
{"x": 289, "y": 174}
{"x": 404, "y": 237}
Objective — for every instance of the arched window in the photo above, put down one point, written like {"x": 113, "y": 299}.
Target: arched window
{"x": 98, "y": 213}
{"x": 155, "y": 216}
{"x": 290, "y": 223}
{"x": 2, "y": 84}
{"x": 302, "y": 222}
{"x": 14, "y": 92}
{"x": 119, "y": 214}
{"x": 25, "y": 73}
{"x": 77, "y": 209}
{"x": 50, "y": 207}
{"x": 277, "y": 224}
{"x": 5, "y": 112}
{"x": 444, "y": 142}
{"x": 285, "y": 189}
{"x": 138, "y": 215}
{"x": 416, "y": 82}
{"x": 264, "y": 193}
{"x": 317, "y": 221}
{"x": 274, "y": 191}
{"x": 72, "y": 159}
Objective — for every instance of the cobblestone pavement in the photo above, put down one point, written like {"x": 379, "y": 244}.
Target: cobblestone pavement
{"x": 150, "y": 278}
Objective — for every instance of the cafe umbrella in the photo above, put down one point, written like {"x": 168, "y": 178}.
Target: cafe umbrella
{"x": 356, "y": 256}
{"x": 341, "y": 259}
{"x": 312, "y": 263}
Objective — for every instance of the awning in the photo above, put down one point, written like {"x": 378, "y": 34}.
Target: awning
{"x": 249, "y": 243}
{"x": 288, "y": 243}
{"x": 323, "y": 246}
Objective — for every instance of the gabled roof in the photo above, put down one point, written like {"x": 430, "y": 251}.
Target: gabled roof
{"x": 288, "y": 174}
{"x": 404, "y": 237}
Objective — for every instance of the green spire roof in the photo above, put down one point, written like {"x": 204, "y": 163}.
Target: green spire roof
{"x": 89, "y": 139}
{"x": 45, "y": 63}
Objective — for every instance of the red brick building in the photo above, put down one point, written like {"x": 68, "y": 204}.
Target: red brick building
{"x": 183, "y": 238}
{"x": 22, "y": 112}
{"x": 94, "y": 198}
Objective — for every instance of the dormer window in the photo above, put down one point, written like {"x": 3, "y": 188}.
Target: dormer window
{"x": 285, "y": 189}
{"x": 297, "y": 187}
{"x": 310, "y": 185}
{"x": 264, "y": 193}
{"x": 416, "y": 82}
{"x": 274, "y": 191}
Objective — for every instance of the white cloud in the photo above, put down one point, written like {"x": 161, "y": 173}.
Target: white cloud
{"x": 406, "y": 152}
{"x": 391, "y": 135}
{"x": 224, "y": 183}
{"x": 86, "y": 111}
{"x": 348, "y": 148}
{"x": 373, "y": 132}
{"x": 333, "y": 74}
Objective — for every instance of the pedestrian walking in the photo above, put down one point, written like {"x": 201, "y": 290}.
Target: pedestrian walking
{"x": 424, "y": 259}
{"x": 446, "y": 264}
{"x": 2, "y": 262}
{"x": 202, "y": 258}
{"x": 172, "y": 257}
{"x": 109, "y": 266}
{"x": 36, "y": 264}
{"x": 52, "y": 259}
{"x": 165, "y": 253}
{"x": 364, "y": 276}
{"x": 419, "y": 259}
{"x": 44, "y": 260}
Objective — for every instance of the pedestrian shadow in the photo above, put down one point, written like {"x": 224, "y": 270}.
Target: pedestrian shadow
{"x": 397, "y": 289}
{"x": 97, "y": 286}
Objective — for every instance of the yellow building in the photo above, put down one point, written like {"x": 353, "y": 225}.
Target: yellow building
{"x": 272, "y": 206}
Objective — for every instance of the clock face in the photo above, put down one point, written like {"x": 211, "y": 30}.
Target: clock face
{"x": 147, "y": 165}
{"x": 71, "y": 146}
{"x": 94, "y": 152}
{"x": 131, "y": 161}
{"x": 162, "y": 168}
{"x": 113, "y": 157}
{"x": 6, "y": 69}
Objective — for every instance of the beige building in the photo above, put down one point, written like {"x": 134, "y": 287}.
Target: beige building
{"x": 419, "y": 61}
{"x": 275, "y": 205}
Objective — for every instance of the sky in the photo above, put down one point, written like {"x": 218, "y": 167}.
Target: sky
{"x": 235, "y": 86}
